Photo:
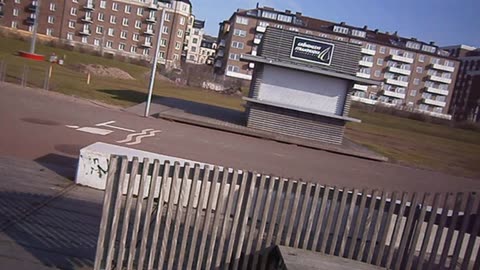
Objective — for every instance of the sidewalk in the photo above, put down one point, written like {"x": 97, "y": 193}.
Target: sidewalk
{"x": 46, "y": 222}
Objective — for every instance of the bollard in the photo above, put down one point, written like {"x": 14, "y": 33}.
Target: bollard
{"x": 50, "y": 69}
{"x": 88, "y": 78}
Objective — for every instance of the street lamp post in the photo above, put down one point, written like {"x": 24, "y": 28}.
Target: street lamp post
{"x": 35, "y": 26}
{"x": 155, "y": 60}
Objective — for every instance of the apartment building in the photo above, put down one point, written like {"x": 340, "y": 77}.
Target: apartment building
{"x": 194, "y": 41}
{"x": 415, "y": 75}
{"x": 465, "y": 103}
{"x": 207, "y": 49}
{"x": 126, "y": 27}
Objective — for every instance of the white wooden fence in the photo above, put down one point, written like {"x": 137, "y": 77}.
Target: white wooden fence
{"x": 196, "y": 217}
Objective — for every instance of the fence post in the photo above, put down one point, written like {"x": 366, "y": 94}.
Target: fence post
{"x": 47, "y": 78}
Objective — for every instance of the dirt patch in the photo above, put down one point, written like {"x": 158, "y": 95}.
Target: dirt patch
{"x": 103, "y": 71}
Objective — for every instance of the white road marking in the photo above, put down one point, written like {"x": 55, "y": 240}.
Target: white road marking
{"x": 139, "y": 138}
{"x": 75, "y": 127}
{"x": 108, "y": 124}
{"x": 130, "y": 136}
{"x": 98, "y": 131}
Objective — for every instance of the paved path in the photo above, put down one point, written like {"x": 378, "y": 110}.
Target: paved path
{"x": 33, "y": 126}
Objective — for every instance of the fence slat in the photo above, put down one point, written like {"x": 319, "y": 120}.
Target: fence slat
{"x": 348, "y": 223}
{"x": 439, "y": 233}
{"x": 243, "y": 227}
{"x": 236, "y": 219}
{"x": 358, "y": 220}
{"x": 428, "y": 231}
{"x": 320, "y": 219}
{"x": 177, "y": 221}
{"x": 188, "y": 216}
{"x": 301, "y": 221}
{"x": 311, "y": 216}
{"x": 376, "y": 229}
{"x": 383, "y": 239}
{"x": 368, "y": 222}
{"x": 405, "y": 236}
{"x": 463, "y": 229}
{"x": 396, "y": 230}
{"x": 283, "y": 217}
{"x": 138, "y": 214}
{"x": 471, "y": 241}
{"x": 127, "y": 211}
{"x": 193, "y": 245}
{"x": 419, "y": 223}
{"x": 104, "y": 223}
{"x": 216, "y": 219}
{"x": 293, "y": 214}
{"x": 276, "y": 205}
{"x": 206, "y": 221}
{"x": 338, "y": 222}
{"x": 453, "y": 222}
{"x": 331, "y": 212}
{"x": 226, "y": 219}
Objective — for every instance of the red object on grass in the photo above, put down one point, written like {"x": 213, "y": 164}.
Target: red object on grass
{"x": 32, "y": 56}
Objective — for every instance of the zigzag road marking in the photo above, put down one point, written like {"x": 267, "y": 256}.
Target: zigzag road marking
{"x": 130, "y": 136}
{"x": 139, "y": 138}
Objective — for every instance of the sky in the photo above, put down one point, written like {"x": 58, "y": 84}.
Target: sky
{"x": 447, "y": 22}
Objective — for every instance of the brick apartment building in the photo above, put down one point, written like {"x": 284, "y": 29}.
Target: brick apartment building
{"x": 126, "y": 27}
{"x": 416, "y": 76}
{"x": 465, "y": 104}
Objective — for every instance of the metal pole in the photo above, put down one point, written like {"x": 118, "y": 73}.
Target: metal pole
{"x": 35, "y": 25}
{"x": 154, "y": 65}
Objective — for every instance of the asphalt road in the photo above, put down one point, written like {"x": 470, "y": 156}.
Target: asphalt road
{"x": 33, "y": 126}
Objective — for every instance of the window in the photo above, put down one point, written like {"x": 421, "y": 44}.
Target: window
{"x": 380, "y": 61}
{"x": 423, "y": 107}
{"x": 111, "y": 32}
{"x": 176, "y": 57}
{"x": 148, "y": 40}
{"x": 370, "y": 46}
{"x": 421, "y": 58}
{"x": 128, "y": 9}
{"x": 365, "y": 70}
{"x": 114, "y": 6}
{"x": 99, "y": 30}
{"x": 71, "y": 24}
{"x": 96, "y": 42}
{"x": 163, "y": 42}
{"x": 264, "y": 24}
{"x": 51, "y": 19}
{"x": 180, "y": 33}
{"x": 133, "y": 49}
{"x": 136, "y": 37}
{"x": 49, "y": 31}
{"x": 413, "y": 45}
{"x": 168, "y": 17}
{"x": 17, "y": 1}
{"x": 435, "y": 61}
{"x": 416, "y": 81}
{"x": 383, "y": 50}
{"x": 340, "y": 29}
{"x": 241, "y": 20}
{"x": 233, "y": 68}
{"x": 109, "y": 44}
{"x": 103, "y": 4}
{"x": 121, "y": 46}
{"x": 237, "y": 45}
{"x": 240, "y": 33}
{"x": 413, "y": 92}
{"x": 234, "y": 56}
{"x": 165, "y": 30}
{"x": 182, "y": 20}
{"x": 14, "y": 24}
{"x": 161, "y": 55}
{"x": 123, "y": 35}
{"x": 140, "y": 11}
{"x": 53, "y": 6}
{"x": 178, "y": 46}
{"x": 196, "y": 32}
{"x": 113, "y": 19}
{"x": 419, "y": 69}
{"x": 101, "y": 17}
{"x": 430, "y": 49}
{"x": 284, "y": 18}
{"x": 146, "y": 51}
{"x": 69, "y": 36}
{"x": 84, "y": 40}
{"x": 194, "y": 49}
{"x": 74, "y": 1}
{"x": 138, "y": 24}
{"x": 359, "y": 33}
{"x": 73, "y": 11}
{"x": 195, "y": 40}
{"x": 377, "y": 73}
{"x": 125, "y": 21}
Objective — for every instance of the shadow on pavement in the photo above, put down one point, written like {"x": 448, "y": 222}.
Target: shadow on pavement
{"x": 64, "y": 166}
{"x": 58, "y": 233}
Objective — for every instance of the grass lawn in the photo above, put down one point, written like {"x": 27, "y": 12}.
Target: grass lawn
{"x": 409, "y": 142}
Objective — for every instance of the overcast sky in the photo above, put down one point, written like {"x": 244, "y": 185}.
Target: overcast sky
{"x": 447, "y": 22}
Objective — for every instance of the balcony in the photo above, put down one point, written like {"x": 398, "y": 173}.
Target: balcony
{"x": 89, "y": 6}
{"x": 363, "y": 75}
{"x": 365, "y": 63}
{"x": 149, "y": 32}
{"x": 261, "y": 29}
{"x": 397, "y": 82}
{"x": 218, "y": 64}
{"x": 151, "y": 20}
{"x": 434, "y": 102}
{"x": 399, "y": 71}
{"x": 85, "y": 32}
{"x": 393, "y": 94}
{"x": 220, "y": 53}
{"x": 439, "y": 79}
{"x": 360, "y": 87}
{"x": 257, "y": 41}
{"x": 402, "y": 59}
{"x": 436, "y": 91}
{"x": 33, "y": 7}
{"x": 443, "y": 68}
{"x": 152, "y": 6}
{"x": 30, "y": 21}
{"x": 222, "y": 43}
{"x": 87, "y": 19}
{"x": 368, "y": 51}
{"x": 254, "y": 53}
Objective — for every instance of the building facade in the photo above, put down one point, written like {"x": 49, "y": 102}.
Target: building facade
{"x": 415, "y": 75}
{"x": 208, "y": 48}
{"x": 194, "y": 41}
{"x": 465, "y": 103}
{"x": 126, "y": 27}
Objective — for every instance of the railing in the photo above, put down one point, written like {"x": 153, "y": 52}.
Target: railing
{"x": 202, "y": 217}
